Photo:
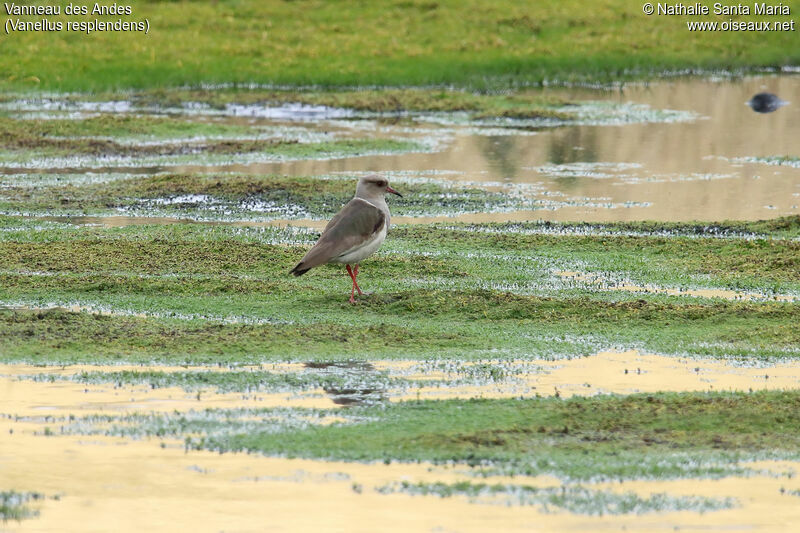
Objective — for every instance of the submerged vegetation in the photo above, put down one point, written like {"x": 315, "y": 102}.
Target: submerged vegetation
{"x": 774, "y": 160}
{"x": 574, "y": 499}
{"x": 234, "y": 380}
{"x": 226, "y": 196}
{"x": 14, "y": 505}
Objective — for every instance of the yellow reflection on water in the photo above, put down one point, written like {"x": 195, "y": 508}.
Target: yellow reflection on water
{"x": 118, "y": 484}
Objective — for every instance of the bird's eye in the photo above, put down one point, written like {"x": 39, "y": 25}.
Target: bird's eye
{"x": 382, "y": 184}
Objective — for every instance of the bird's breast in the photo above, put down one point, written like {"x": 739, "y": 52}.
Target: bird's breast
{"x": 363, "y": 250}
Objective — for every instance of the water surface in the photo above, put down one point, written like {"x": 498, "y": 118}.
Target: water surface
{"x": 706, "y": 165}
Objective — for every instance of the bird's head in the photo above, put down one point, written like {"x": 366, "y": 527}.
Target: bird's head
{"x": 374, "y": 186}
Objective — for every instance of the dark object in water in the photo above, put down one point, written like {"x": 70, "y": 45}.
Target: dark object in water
{"x": 766, "y": 103}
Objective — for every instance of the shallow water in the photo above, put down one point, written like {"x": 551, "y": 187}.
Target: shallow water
{"x": 27, "y": 398}
{"x": 603, "y": 373}
{"x": 682, "y": 171}
{"x": 100, "y": 483}
{"x": 112, "y": 484}
{"x": 705, "y": 167}
{"x": 607, "y": 372}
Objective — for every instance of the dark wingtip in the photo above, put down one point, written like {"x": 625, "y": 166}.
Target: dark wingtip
{"x": 297, "y": 271}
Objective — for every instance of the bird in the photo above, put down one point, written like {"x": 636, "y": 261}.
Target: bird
{"x": 355, "y": 233}
{"x": 766, "y": 103}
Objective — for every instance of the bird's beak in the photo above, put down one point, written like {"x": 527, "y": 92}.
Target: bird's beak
{"x": 389, "y": 189}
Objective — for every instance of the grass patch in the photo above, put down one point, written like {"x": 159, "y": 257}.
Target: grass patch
{"x": 42, "y": 336}
{"x": 216, "y": 422}
{"x": 481, "y": 45}
{"x": 769, "y": 259}
{"x": 774, "y": 160}
{"x": 235, "y": 380}
{"x": 215, "y": 293}
{"x": 213, "y": 196}
{"x": 23, "y": 148}
{"x": 523, "y": 327}
{"x": 522, "y": 105}
{"x": 603, "y": 437}
{"x": 23, "y": 133}
{"x": 525, "y": 109}
{"x": 13, "y": 505}
{"x": 573, "y": 499}
{"x": 782, "y": 227}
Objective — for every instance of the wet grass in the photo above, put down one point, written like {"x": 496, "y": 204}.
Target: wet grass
{"x": 153, "y": 114}
{"x": 523, "y": 104}
{"x": 24, "y": 149}
{"x": 789, "y": 161}
{"x": 581, "y": 438}
{"x": 32, "y": 148}
{"x": 221, "y": 295}
{"x": 573, "y": 499}
{"x": 218, "y": 293}
{"x": 481, "y": 45}
{"x": 209, "y": 422}
{"x": 13, "y": 505}
{"x": 436, "y": 250}
{"x": 658, "y": 436}
{"x": 527, "y": 327}
{"x": 23, "y": 133}
{"x": 783, "y": 227}
{"x": 233, "y": 380}
{"x": 57, "y": 335}
{"x": 725, "y": 259}
{"x": 235, "y": 196}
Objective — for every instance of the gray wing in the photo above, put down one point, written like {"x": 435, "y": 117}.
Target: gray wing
{"x": 358, "y": 221}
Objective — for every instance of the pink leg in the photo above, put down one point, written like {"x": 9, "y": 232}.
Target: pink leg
{"x": 355, "y": 275}
{"x": 353, "y": 291}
